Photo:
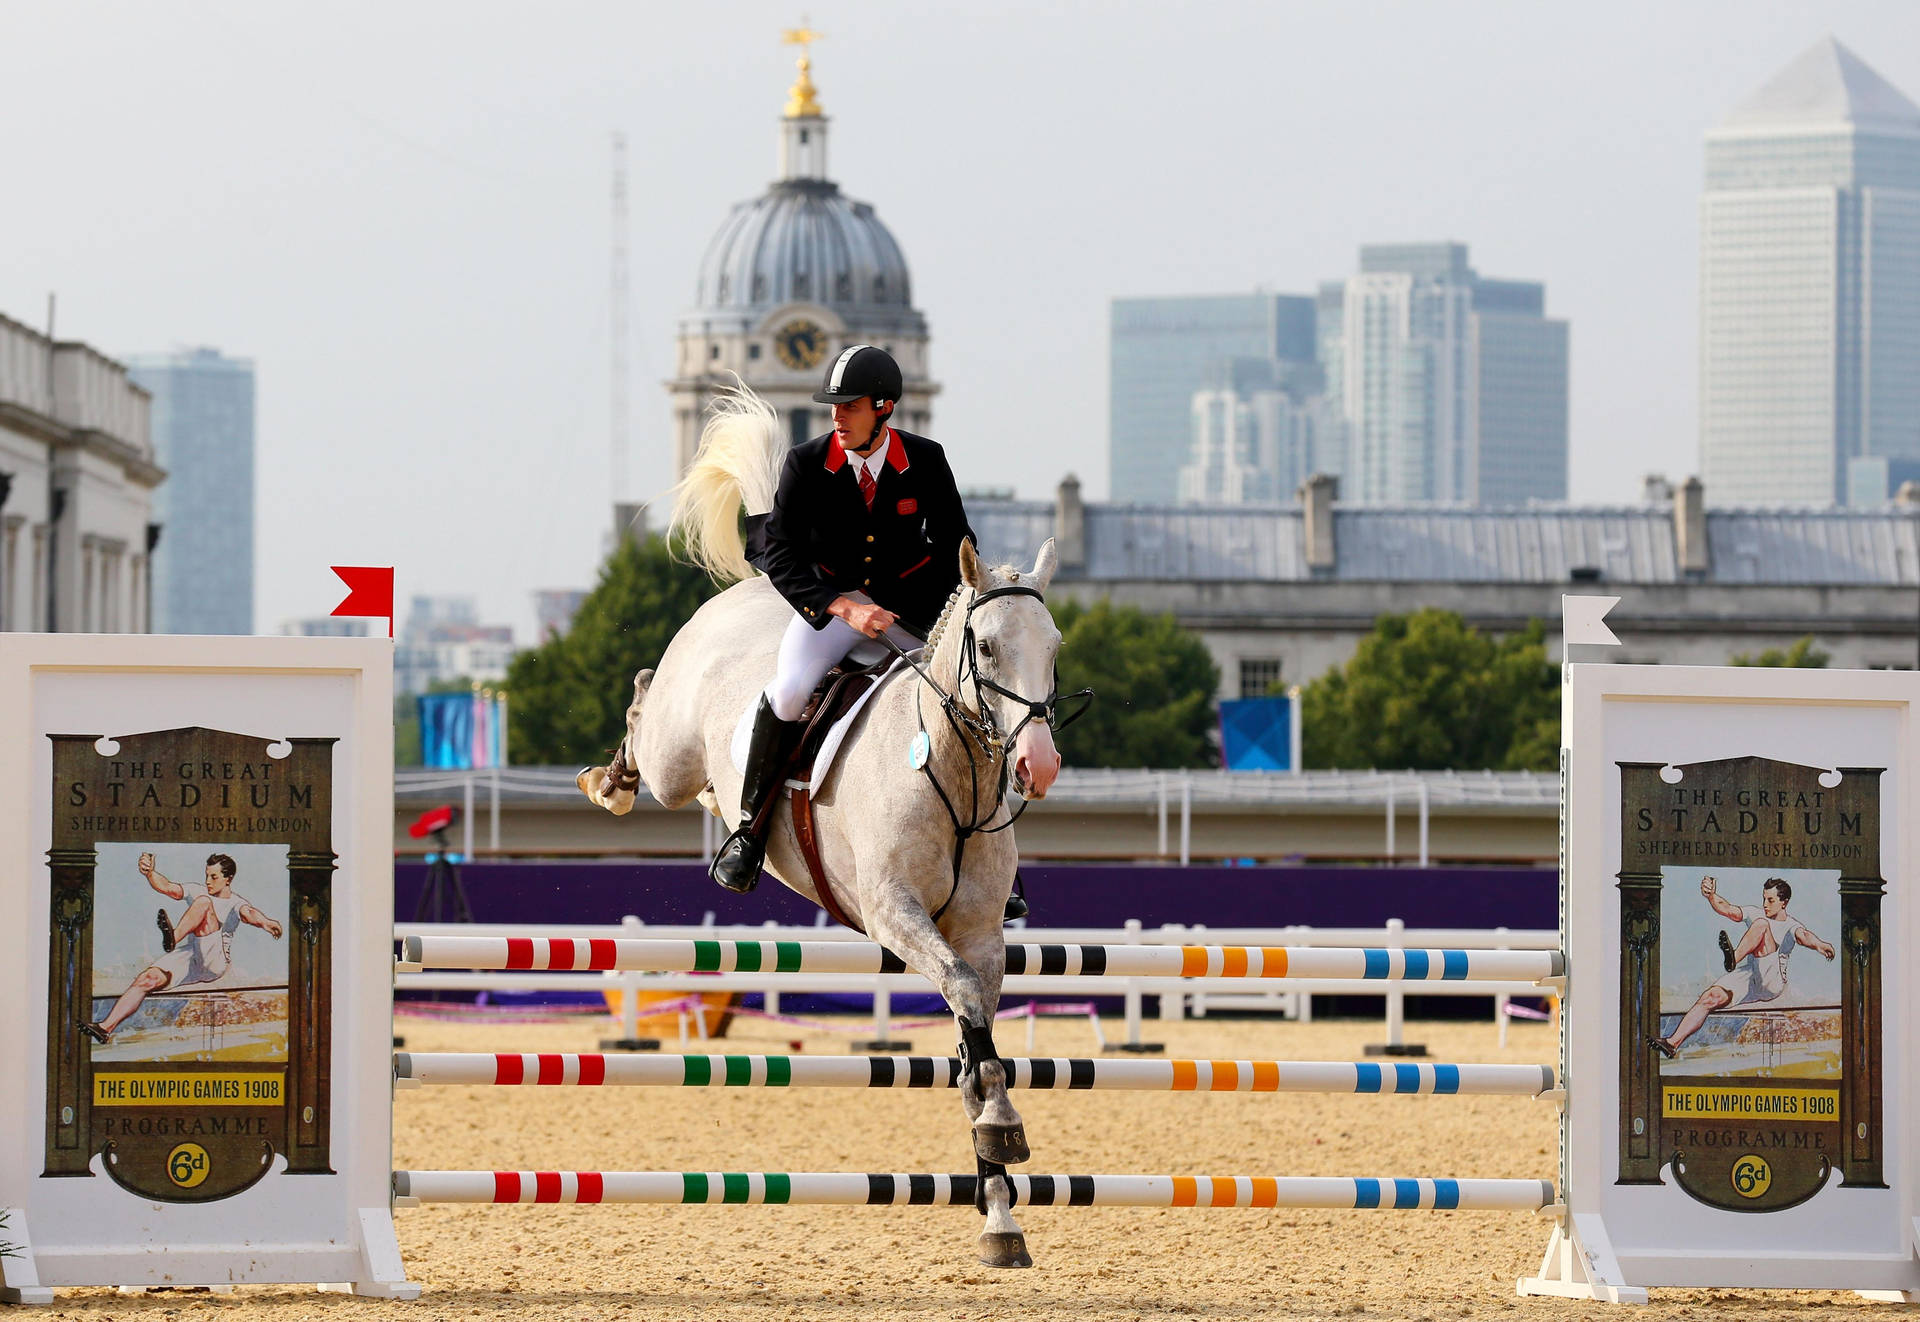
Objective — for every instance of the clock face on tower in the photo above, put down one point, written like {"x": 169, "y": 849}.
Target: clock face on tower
{"x": 800, "y": 344}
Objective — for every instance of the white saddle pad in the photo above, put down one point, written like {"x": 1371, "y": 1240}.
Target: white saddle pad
{"x": 823, "y": 763}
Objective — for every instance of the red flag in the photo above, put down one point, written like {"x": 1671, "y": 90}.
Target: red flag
{"x": 369, "y": 592}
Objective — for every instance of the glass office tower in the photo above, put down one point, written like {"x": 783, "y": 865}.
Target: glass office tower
{"x": 203, "y": 437}
{"x": 1162, "y": 350}
{"x": 1450, "y": 387}
{"x": 1810, "y": 286}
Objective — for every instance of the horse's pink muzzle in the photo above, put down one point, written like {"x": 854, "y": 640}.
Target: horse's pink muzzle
{"x": 1035, "y": 761}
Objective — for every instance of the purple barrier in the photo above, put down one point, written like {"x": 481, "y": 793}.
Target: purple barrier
{"x": 1062, "y": 895}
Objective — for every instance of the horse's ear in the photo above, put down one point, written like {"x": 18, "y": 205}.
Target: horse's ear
{"x": 972, "y": 572}
{"x": 1044, "y": 564}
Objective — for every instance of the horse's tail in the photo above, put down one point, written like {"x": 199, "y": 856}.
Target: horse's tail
{"x": 738, "y": 463}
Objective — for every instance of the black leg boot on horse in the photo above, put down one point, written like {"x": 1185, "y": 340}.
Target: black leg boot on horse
{"x": 737, "y": 865}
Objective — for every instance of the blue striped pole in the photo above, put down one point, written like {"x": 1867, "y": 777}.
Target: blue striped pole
{"x": 1064, "y": 1073}
{"x": 851, "y": 1189}
{"x": 640, "y": 955}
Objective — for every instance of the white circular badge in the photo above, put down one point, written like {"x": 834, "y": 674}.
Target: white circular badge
{"x": 919, "y": 751}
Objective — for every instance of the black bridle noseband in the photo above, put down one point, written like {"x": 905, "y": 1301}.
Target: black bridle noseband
{"x": 980, "y": 729}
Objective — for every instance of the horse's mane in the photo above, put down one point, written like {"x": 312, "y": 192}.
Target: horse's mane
{"x": 999, "y": 574}
{"x": 947, "y": 612}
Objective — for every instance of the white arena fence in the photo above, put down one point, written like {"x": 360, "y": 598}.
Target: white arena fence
{"x": 1179, "y": 996}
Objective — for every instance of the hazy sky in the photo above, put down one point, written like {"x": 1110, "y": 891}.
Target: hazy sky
{"x": 400, "y": 212}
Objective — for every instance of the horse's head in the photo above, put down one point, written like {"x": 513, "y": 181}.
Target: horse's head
{"x": 1011, "y": 671}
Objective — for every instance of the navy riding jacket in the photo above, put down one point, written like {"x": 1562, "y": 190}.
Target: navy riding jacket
{"x": 821, "y": 541}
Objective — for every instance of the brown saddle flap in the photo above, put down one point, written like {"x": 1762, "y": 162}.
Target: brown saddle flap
{"x": 838, "y": 692}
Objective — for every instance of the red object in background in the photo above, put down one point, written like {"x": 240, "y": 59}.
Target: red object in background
{"x": 369, "y": 592}
{"x": 433, "y": 819}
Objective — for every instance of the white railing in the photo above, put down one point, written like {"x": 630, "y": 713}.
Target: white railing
{"x": 1179, "y": 997}
{"x": 1164, "y": 793}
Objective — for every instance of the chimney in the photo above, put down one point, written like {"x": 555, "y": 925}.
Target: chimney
{"x": 1908, "y": 496}
{"x": 1656, "y": 490}
{"x": 1690, "y": 528}
{"x": 1317, "y": 495}
{"x": 1070, "y": 526}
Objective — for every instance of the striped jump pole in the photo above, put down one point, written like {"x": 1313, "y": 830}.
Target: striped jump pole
{"x": 1076, "y": 1074}
{"x": 848, "y": 1189}
{"x": 649, "y": 956}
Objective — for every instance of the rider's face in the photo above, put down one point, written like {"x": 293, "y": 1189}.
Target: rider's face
{"x": 1771, "y": 904}
{"x": 853, "y": 422}
{"x": 217, "y": 881}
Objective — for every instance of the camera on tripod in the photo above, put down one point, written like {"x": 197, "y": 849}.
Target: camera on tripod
{"x": 442, "y": 890}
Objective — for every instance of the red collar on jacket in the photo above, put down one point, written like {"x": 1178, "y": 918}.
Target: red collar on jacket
{"x": 896, "y": 452}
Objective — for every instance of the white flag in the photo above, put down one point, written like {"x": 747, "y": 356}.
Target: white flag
{"x": 1583, "y": 620}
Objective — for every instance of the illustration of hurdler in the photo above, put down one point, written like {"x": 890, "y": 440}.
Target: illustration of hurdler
{"x": 199, "y": 948}
{"x": 1756, "y": 967}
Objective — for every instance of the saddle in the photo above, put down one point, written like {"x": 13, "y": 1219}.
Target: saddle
{"x": 836, "y": 695}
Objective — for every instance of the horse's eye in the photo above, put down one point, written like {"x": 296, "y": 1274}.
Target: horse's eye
{"x": 986, "y": 650}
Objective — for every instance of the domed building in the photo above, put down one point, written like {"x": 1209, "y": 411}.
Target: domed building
{"x": 790, "y": 279}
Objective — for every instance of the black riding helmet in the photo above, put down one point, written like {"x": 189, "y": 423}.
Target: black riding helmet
{"x": 860, "y": 371}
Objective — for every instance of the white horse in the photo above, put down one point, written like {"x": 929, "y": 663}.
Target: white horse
{"x": 887, "y": 832}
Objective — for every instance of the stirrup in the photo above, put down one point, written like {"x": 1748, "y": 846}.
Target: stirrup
{"x": 1017, "y": 906}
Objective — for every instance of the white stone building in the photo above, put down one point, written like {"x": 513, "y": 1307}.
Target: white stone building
{"x": 1282, "y": 593}
{"x": 793, "y": 277}
{"x": 77, "y": 476}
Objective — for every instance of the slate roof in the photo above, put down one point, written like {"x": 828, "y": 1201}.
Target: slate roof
{"x": 1544, "y": 544}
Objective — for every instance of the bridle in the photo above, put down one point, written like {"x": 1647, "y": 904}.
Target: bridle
{"x": 979, "y": 728}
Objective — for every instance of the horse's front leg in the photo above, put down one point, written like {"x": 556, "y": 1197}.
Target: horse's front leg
{"x": 984, "y": 1092}
{"x": 898, "y": 920}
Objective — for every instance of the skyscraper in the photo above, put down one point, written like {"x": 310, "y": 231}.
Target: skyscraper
{"x": 1258, "y": 430}
{"x": 1162, "y": 350}
{"x": 203, "y": 438}
{"x": 1449, "y": 387}
{"x": 1810, "y": 286}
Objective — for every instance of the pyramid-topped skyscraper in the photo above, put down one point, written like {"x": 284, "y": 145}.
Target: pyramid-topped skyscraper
{"x": 1810, "y": 288}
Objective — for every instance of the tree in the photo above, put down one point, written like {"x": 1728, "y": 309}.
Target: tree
{"x": 568, "y": 697}
{"x": 1802, "y": 655}
{"x": 1154, "y": 685}
{"x": 1425, "y": 691}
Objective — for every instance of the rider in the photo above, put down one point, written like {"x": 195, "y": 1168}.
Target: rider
{"x": 864, "y": 538}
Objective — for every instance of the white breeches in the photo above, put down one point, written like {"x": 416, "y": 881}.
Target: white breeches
{"x": 807, "y": 654}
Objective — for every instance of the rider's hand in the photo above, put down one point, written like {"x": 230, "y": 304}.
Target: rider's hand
{"x": 869, "y": 619}
{"x": 1708, "y": 886}
{"x": 146, "y": 864}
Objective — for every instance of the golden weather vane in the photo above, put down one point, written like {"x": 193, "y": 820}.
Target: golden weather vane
{"x": 801, "y": 99}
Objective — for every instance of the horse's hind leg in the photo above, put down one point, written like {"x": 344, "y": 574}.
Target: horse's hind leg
{"x": 613, "y": 786}
{"x": 897, "y": 921}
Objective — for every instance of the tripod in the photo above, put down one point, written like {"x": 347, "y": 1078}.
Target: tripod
{"x": 442, "y": 889}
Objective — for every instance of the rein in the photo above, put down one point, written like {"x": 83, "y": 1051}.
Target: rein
{"x": 981, "y": 730}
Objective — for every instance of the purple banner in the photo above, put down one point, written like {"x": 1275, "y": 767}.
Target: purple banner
{"x": 1062, "y": 895}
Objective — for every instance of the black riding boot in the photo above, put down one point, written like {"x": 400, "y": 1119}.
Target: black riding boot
{"x": 737, "y": 865}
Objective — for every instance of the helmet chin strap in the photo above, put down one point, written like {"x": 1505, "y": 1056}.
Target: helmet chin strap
{"x": 879, "y": 426}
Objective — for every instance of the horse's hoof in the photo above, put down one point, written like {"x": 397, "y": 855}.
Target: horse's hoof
{"x": 597, "y": 785}
{"x": 1005, "y": 1144}
{"x": 1000, "y": 1249}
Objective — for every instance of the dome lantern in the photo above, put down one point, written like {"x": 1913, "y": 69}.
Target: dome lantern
{"x": 803, "y": 131}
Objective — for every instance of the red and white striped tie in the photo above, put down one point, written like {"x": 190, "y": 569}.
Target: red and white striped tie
{"x": 867, "y": 485}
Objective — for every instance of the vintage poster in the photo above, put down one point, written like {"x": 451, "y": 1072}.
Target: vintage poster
{"x": 1750, "y": 1035}
{"x": 191, "y": 877}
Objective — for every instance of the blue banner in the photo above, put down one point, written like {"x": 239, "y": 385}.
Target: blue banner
{"x": 462, "y": 730}
{"x": 1256, "y": 734}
